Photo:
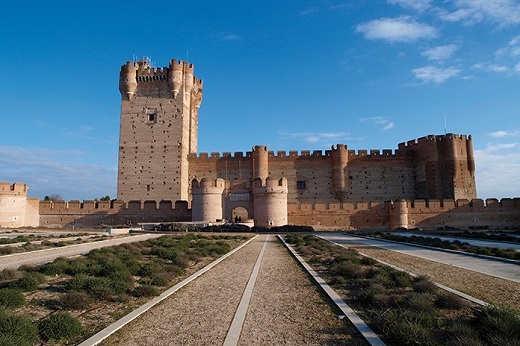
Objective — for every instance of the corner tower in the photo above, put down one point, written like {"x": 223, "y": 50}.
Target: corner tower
{"x": 158, "y": 130}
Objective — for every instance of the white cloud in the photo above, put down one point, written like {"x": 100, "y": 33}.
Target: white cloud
{"x": 309, "y": 10}
{"x": 384, "y": 123}
{"x": 495, "y": 68}
{"x": 400, "y": 29}
{"x": 501, "y": 12}
{"x": 440, "y": 52}
{"x": 316, "y": 137}
{"x": 504, "y": 133}
{"x": 498, "y": 171}
{"x": 418, "y": 5}
{"x": 511, "y": 50}
{"x": 49, "y": 172}
{"x": 493, "y": 147}
{"x": 230, "y": 37}
{"x": 432, "y": 74}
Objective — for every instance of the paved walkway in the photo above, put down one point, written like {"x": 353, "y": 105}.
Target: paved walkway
{"x": 475, "y": 242}
{"x": 504, "y": 270}
{"x": 48, "y": 255}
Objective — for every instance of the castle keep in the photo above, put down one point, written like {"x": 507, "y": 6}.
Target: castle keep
{"x": 427, "y": 182}
{"x": 158, "y": 160}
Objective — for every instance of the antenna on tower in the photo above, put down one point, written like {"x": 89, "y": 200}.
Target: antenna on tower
{"x": 445, "y": 131}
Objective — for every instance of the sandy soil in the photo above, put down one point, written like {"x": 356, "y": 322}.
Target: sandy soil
{"x": 285, "y": 309}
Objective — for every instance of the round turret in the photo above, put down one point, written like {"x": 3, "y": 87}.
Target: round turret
{"x": 128, "y": 80}
{"x": 339, "y": 156}
{"x": 260, "y": 162}
{"x": 175, "y": 76}
{"x": 207, "y": 199}
{"x": 399, "y": 214}
{"x": 270, "y": 202}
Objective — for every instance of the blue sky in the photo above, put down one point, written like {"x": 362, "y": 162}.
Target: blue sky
{"x": 292, "y": 75}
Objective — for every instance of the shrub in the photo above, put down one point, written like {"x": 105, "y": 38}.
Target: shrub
{"x": 75, "y": 301}
{"x": 145, "y": 291}
{"x": 59, "y": 326}
{"x": 26, "y": 283}
{"x": 498, "y": 326}
{"x": 450, "y": 301}
{"x": 463, "y": 335}
{"x": 56, "y": 267}
{"x": 160, "y": 280}
{"x": 423, "y": 302}
{"x": 17, "y": 330}
{"x": 150, "y": 269}
{"x": 423, "y": 285}
{"x": 8, "y": 274}
{"x": 77, "y": 283}
{"x": 11, "y": 299}
{"x": 349, "y": 270}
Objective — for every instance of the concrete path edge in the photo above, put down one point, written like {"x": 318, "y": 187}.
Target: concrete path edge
{"x": 360, "y": 325}
{"x": 114, "y": 327}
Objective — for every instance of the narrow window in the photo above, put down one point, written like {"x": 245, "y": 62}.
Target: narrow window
{"x": 300, "y": 185}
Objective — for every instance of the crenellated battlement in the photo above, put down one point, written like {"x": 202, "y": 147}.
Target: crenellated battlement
{"x": 15, "y": 189}
{"x": 88, "y": 207}
{"x": 295, "y": 154}
{"x": 432, "y": 139}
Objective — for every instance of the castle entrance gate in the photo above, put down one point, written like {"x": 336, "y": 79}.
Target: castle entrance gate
{"x": 239, "y": 214}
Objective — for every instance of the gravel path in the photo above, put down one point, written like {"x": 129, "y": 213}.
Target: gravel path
{"x": 485, "y": 287}
{"x": 285, "y": 308}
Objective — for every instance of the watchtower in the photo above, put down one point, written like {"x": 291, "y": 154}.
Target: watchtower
{"x": 159, "y": 126}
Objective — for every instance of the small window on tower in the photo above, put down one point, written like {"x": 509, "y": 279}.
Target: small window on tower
{"x": 300, "y": 185}
{"x": 151, "y": 115}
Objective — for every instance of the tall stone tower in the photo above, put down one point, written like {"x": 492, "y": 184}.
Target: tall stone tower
{"x": 159, "y": 125}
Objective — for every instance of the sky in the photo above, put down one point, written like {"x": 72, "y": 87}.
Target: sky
{"x": 292, "y": 75}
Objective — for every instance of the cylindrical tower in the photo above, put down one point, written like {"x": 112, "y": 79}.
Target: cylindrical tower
{"x": 175, "y": 76}
{"x": 270, "y": 202}
{"x": 188, "y": 79}
{"x": 399, "y": 214}
{"x": 339, "y": 157}
{"x": 471, "y": 156}
{"x": 260, "y": 162}
{"x": 128, "y": 80}
{"x": 207, "y": 199}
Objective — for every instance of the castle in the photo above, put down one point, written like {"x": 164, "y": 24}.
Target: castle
{"x": 428, "y": 182}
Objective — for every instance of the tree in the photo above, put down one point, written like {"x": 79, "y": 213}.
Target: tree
{"x": 54, "y": 197}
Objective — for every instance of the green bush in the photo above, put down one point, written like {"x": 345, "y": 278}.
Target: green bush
{"x": 8, "y": 274}
{"x": 58, "y": 327}
{"x": 423, "y": 302}
{"x": 77, "y": 283}
{"x": 423, "y": 285}
{"x": 498, "y": 326}
{"x": 11, "y": 298}
{"x": 348, "y": 270}
{"x": 57, "y": 267}
{"x": 145, "y": 291}
{"x": 463, "y": 335}
{"x": 75, "y": 301}
{"x": 17, "y": 330}
{"x": 26, "y": 283}
{"x": 450, "y": 301}
{"x": 159, "y": 280}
